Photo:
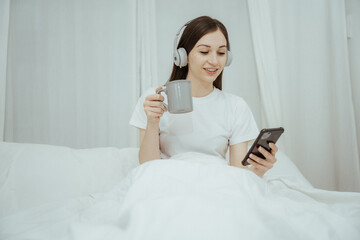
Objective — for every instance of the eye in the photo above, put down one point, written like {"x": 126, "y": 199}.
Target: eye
{"x": 203, "y": 52}
{"x": 221, "y": 53}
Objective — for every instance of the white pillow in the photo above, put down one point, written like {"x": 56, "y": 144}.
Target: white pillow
{"x": 34, "y": 174}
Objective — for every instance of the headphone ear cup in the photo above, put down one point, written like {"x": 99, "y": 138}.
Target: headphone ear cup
{"x": 182, "y": 57}
{"x": 228, "y": 58}
{"x": 176, "y": 58}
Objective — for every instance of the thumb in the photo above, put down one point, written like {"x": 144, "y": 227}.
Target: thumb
{"x": 158, "y": 88}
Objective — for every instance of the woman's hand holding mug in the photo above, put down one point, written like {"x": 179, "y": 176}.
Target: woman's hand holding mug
{"x": 179, "y": 100}
{"x": 153, "y": 107}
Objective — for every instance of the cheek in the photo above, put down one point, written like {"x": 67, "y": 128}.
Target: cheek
{"x": 223, "y": 61}
{"x": 196, "y": 61}
{"x": 200, "y": 59}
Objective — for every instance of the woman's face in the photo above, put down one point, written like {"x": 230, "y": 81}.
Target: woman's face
{"x": 208, "y": 57}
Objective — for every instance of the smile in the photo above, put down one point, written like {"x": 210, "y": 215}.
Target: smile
{"x": 211, "y": 71}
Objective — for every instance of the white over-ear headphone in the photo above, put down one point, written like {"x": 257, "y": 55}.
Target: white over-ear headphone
{"x": 180, "y": 55}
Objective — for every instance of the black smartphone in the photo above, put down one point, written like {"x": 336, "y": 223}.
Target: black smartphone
{"x": 266, "y": 136}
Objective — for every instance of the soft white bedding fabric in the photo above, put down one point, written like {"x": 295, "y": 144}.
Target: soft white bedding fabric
{"x": 35, "y": 174}
{"x": 194, "y": 196}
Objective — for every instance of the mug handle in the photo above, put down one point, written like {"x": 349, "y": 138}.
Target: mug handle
{"x": 159, "y": 92}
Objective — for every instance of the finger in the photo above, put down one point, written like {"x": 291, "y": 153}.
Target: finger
{"x": 158, "y": 88}
{"x": 266, "y": 154}
{"x": 261, "y": 161}
{"x": 257, "y": 166}
{"x": 155, "y": 97}
{"x": 156, "y": 104}
{"x": 267, "y": 161}
{"x": 154, "y": 110}
{"x": 256, "y": 159}
{"x": 274, "y": 148}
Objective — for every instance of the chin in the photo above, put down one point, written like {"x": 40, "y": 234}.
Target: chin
{"x": 212, "y": 78}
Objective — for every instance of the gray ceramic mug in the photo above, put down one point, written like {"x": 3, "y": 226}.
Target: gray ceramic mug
{"x": 179, "y": 96}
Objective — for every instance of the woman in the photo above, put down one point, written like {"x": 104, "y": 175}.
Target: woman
{"x": 219, "y": 119}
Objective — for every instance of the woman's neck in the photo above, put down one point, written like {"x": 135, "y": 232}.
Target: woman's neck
{"x": 201, "y": 89}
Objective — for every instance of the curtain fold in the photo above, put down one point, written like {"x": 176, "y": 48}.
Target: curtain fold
{"x": 146, "y": 45}
{"x": 4, "y": 33}
{"x": 145, "y": 64}
{"x": 313, "y": 85}
{"x": 353, "y": 30}
{"x": 266, "y": 61}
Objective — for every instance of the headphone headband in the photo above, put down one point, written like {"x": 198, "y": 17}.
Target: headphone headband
{"x": 179, "y": 33}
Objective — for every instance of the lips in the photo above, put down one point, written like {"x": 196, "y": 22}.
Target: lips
{"x": 211, "y": 71}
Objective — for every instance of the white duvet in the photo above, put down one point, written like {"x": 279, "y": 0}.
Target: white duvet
{"x": 194, "y": 196}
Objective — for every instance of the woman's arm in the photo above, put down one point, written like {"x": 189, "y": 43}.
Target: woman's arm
{"x": 149, "y": 138}
{"x": 237, "y": 154}
{"x": 149, "y": 143}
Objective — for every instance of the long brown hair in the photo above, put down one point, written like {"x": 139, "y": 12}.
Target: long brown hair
{"x": 195, "y": 30}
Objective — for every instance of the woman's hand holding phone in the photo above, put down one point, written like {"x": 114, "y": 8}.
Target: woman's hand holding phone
{"x": 261, "y": 155}
{"x": 259, "y": 165}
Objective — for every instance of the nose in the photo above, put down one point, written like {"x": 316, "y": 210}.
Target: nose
{"x": 213, "y": 58}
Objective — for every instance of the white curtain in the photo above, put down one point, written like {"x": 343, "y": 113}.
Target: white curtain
{"x": 77, "y": 68}
{"x": 146, "y": 45}
{"x": 353, "y": 31}
{"x": 70, "y": 72}
{"x": 4, "y": 33}
{"x": 266, "y": 61}
{"x": 314, "y": 86}
{"x": 146, "y": 57}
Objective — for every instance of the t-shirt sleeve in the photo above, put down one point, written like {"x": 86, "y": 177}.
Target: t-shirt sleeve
{"x": 243, "y": 126}
{"x": 138, "y": 118}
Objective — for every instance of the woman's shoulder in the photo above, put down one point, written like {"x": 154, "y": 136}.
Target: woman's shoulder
{"x": 232, "y": 98}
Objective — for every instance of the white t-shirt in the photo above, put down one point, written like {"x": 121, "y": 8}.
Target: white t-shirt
{"x": 218, "y": 120}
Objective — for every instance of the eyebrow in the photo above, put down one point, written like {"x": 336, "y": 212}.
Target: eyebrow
{"x": 204, "y": 45}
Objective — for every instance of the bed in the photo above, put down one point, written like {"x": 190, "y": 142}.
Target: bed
{"x": 54, "y": 192}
